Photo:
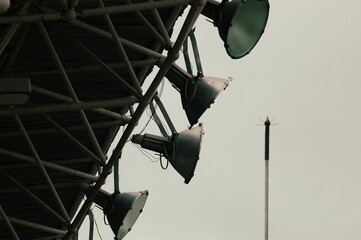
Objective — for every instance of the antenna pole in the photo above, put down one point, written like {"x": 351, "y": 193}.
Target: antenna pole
{"x": 267, "y": 124}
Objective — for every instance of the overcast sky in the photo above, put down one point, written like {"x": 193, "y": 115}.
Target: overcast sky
{"x": 305, "y": 74}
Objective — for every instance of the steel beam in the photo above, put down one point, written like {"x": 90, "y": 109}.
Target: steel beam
{"x": 36, "y": 226}
{"x": 116, "y": 102}
{"x": 35, "y": 188}
{"x": 64, "y": 98}
{"x": 133, "y": 7}
{"x": 125, "y": 42}
{"x": 108, "y": 124}
{"x": 86, "y": 68}
{"x": 49, "y": 165}
{"x": 8, "y": 224}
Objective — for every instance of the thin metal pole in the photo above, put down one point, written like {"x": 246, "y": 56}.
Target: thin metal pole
{"x": 91, "y": 224}
{"x": 266, "y": 216}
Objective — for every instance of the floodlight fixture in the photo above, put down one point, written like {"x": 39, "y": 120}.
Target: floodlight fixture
{"x": 197, "y": 92}
{"x": 122, "y": 209}
{"x": 4, "y": 6}
{"x": 14, "y": 91}
{"x": 240, "y": 23}
{"x": 181, "y": 149}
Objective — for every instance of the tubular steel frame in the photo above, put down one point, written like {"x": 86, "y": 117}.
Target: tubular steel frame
{"x": 70, "y": 219}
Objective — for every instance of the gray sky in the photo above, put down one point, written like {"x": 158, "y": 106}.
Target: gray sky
{"x": 305, "y": 73}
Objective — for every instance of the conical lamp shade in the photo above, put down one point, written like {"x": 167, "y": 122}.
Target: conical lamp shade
{"x": 240, "y": 23}
{"x": 187, "y": 146}
{"x": 200, "y": 95}
{"x": 123, "y": 210}
{"x": 4, "y": 5}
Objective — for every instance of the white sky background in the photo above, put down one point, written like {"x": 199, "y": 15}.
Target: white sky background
{"x": 305, "y": 73}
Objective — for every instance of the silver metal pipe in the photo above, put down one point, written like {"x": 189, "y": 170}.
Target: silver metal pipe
{"x": 8, "y": 224}
{"x": 117, "y": 102}
{"x": 36, "y": 226}
{"x": 105, "y": 34}
{"x": 50, "y": 165}
{"x": 121, "y": 50}
{"x": 42, "y": 131}
{"x": 41, "y": 187}
{"x": 30, "y": 18}
{"x": 88, "y": 68}
{"x": 33, "y": 197}
{"x": 131, "y": 8}
{"x": 64, "y": 98}
{"x": 173, "y": 54}
{"x": 42, "y": 169}
{"x": 71, "y": 91}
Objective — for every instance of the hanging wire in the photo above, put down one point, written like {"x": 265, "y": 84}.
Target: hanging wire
{"x": 96, "y": 226}
{"x": 161, "y": 162}
{"x": 146, "y": 153}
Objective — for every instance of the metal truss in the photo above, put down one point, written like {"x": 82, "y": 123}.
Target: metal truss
{"x": 43, "y": 115}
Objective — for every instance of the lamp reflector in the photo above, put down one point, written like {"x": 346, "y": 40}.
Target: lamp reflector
{"x": 187, "y": 149}
{"x": 200, "y": 95}
{"x": 123, "y": 210}
{"x": 4, "y": 6}
{"x": 240, "y": 23}
{"x": 197, "y": 93}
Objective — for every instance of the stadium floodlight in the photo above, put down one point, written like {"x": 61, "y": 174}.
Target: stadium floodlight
{"x": 122, "y": 209}
{"x": 181, "y": 149}
{"x": 4, "y": 6}
{"x": 14, "y": 91}
{"x": 240, "y": 23}
{"x": 197, "y": 92}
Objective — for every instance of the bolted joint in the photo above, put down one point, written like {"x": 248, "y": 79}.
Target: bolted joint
{"x": 172, "y": 54}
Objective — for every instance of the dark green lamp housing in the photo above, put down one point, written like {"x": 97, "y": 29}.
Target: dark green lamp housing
{"x": 181, "y": 149}
{"x": 197, "y": 92}
{"x": 240, "y": 23}
{"x": 122, "y": 209}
